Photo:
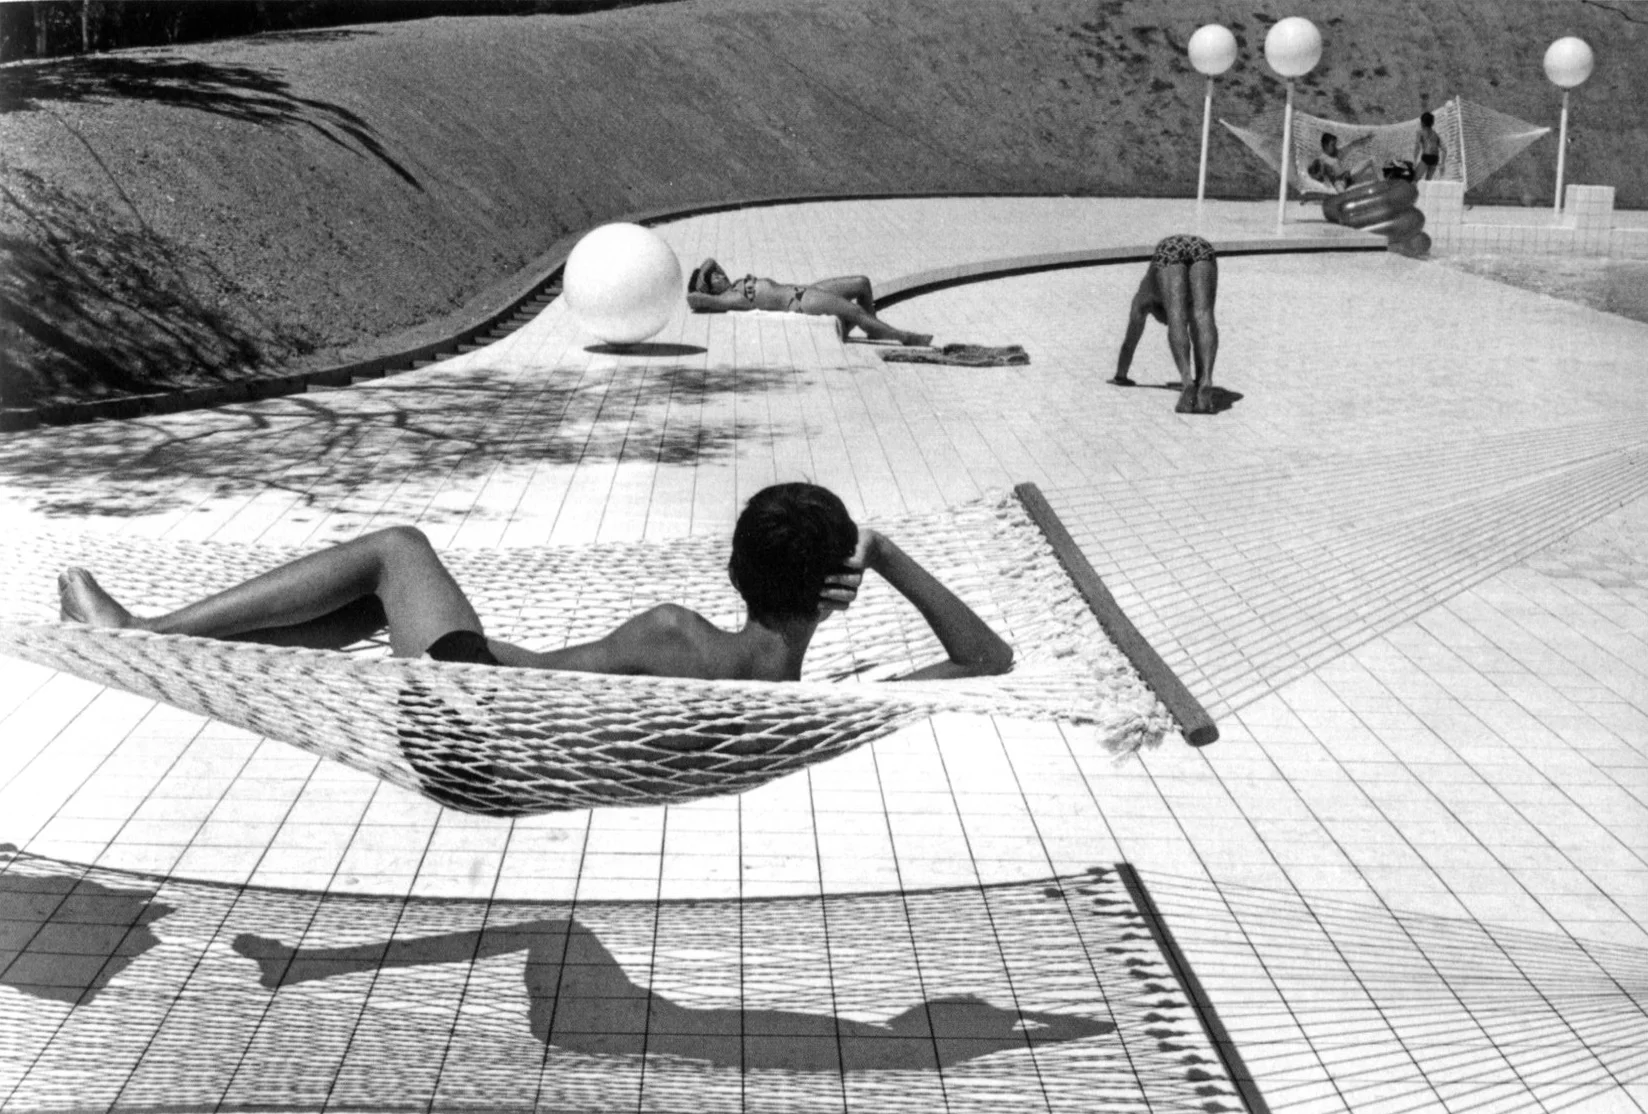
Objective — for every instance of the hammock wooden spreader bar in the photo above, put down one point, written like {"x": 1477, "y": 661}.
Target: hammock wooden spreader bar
{"x": 511, "y": 742}
{"x": 1194, "y": 723}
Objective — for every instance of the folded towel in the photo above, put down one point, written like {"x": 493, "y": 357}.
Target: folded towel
{"x": 964, "y": 355}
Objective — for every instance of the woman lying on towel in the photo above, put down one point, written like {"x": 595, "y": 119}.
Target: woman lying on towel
{"x": 796, "y": 556}
{"x": 848, "y": 299}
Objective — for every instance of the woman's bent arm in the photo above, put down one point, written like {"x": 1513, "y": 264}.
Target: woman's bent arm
{"x": 975, "y": 649}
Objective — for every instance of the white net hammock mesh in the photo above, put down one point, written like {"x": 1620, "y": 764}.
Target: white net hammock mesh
{"x": 1476, "y": 142}
{"x": 510, "y": 742}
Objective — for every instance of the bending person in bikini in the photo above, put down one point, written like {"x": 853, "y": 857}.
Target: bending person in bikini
{"x": 797, "y": 556}
{"x": 1179, "y": 290}
{"x": 848, "y": 299}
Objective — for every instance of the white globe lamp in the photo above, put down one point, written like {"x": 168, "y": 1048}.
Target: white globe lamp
{"x": 1568, "y": 62}
{"x": 1292, "y": 48}
{"x": 1212, "y": 51}
{"x": 622, "y": 283}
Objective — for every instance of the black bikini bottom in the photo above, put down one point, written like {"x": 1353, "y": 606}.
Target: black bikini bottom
{"x": 462, "y": 645}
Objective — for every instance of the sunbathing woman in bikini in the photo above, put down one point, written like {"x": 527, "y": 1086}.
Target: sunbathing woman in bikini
{"x": 796, "y": 556}
{"x": 849, "y": 299}
{"x": 1179, "y": 290}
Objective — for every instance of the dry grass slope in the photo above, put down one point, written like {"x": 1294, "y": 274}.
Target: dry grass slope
{"x": 182, "y": 216}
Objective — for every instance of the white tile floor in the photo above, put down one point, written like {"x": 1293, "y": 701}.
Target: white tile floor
{"x": 1405, "y": 568}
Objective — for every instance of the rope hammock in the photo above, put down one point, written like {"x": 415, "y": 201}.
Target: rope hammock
{"x": 1477, "y": 141}
{"x": 513, "y": 742}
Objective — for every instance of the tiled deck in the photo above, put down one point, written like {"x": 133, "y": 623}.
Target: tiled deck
{"x": 1405, "y": 569}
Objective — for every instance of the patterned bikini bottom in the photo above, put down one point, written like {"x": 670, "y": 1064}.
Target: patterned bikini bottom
{"x": 1183, "y": 248}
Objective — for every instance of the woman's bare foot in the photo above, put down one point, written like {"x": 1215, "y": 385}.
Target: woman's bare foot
{"x": 917, "y": 340}
{"x": 81, "y": 599}
{"x": 1187, "y": 400}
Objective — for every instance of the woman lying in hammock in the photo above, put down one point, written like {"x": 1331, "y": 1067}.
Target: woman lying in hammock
{"x": 796, "y": 556}
{"x": 849, "y": 299}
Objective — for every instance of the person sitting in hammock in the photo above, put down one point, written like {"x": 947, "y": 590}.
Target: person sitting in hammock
{"x": 1331, "y": 165}
{"x": 797, "y": 556}
{"x": 849, "y": 299}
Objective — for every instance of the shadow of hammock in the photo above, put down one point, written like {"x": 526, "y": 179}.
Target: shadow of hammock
{"x": 1397, "y": 1006}
{"x": 1248, "y": 579}
{"x": 282, "y": 996}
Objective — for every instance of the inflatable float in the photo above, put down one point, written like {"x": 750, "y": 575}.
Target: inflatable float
{"x": 1384, "y": 207}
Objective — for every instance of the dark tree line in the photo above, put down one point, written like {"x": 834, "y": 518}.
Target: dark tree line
{"x": 52, "y": 28}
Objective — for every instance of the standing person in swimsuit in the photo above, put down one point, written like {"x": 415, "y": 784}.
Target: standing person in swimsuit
{"x": 797, "y": 555}
{"x": 848, "y": 299}
{"x": 1427, "y": 148}
{"x": 1179, "y": 290}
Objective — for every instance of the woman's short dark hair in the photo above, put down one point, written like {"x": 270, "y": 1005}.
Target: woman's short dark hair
{"x": 788, "y": 539}
{"x": 1426, "y": 119}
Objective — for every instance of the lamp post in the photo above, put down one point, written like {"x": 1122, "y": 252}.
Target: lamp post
{"x": 1568, "y": 62}
{"x": 1212, "y": 51}
{"x": 1292, "y": 49}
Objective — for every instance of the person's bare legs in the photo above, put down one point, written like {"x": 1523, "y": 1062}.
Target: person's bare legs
{"x": 420, "y": 600}
{"x": 824, "y": 303}
{"x": 854, "y": 288}
{"x": 285, "y": 965}
{"x": 1173, "y": 281}
{"x": 1204, "y": 291}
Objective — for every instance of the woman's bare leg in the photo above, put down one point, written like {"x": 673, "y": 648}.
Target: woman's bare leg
{"x": 285, "y": 965}
{"x": 854, "y": 288}
{"x": 1204, "y": 292}
{"x": 420, "y": 600}
{"x": 826, "y": 304}
{"x": 1173, "y": 280}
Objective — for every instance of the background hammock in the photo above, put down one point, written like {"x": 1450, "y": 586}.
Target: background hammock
{"x": 1477, "y": 141}
{"x": 508, "y": 742}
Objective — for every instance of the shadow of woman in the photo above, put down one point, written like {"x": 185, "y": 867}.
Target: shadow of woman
{"x": 110, "y": 926}
{"x": 582, "y": 1000}
{"x": 1222, "y": 399}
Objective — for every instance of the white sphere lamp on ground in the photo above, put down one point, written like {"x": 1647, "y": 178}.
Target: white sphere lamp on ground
{"x": 1292, "y": 48}
{"x": 623, "y": 283}
{"x": 1212, "y": 51}
{"x": 1568, "y": 62}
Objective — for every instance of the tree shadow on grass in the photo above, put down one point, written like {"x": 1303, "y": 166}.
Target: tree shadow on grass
{"x": 93, "y": 303}
{"x": 308, "y": 36}
{"x": 419, "y": 433}
{"x": 244, "y": 93}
